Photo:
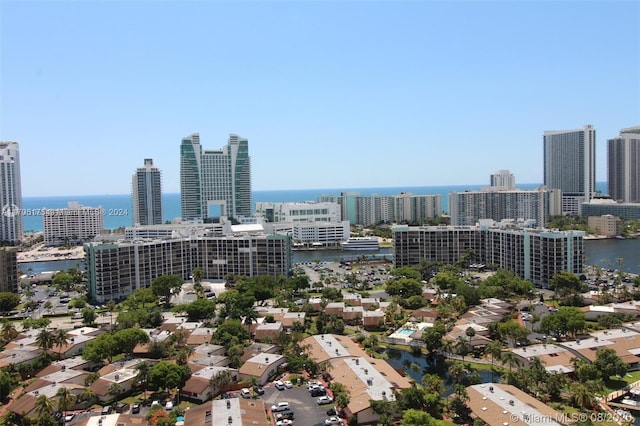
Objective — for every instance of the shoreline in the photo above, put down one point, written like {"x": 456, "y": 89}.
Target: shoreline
{"x": 39, "y": 253}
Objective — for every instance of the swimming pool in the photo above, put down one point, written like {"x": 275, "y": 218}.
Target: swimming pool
{"x": 405, "y": 332}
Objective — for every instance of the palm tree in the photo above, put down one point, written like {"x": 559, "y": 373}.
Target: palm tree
{"x": 447, "y": 346}
{"x": 220, "y": 380}
{"x": 581, "y": 397}
{"x": 111, "y": 306}
{"x": 198, "y": 274}
{"x": 144, "y": 368}
{"x": 8, "y": 331}
{"x": 66, "y": 399}
{"x": 60, "y": 339}
{"x": 44, "y": 406}
{"x": 511, "y": 359}
{"x": 495, "y": 350}
{"x": 45, "y": 340}
{"x": 87, "y": 395}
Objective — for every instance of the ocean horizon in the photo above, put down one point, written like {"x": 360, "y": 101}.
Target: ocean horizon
{"x": 119, "y": 212}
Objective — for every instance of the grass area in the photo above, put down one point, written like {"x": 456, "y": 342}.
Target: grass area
{"x": 349, "y": 331}
{"x": 618, "y": 383}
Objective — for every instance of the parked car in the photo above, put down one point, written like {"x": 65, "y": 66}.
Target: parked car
{"x": 106, "y": 410}
{"x": 245, "y": 393}
{"x": 333, "y": 420}
{"x": 258, "y": 389}
{"x": 280, "y": 406}
{"x": 323, "y": 400}
{"x": 284, "y": 422}
{"x": 69, "y": 417}
{"x": 287, "y": 414}
{"x": 288, "y": 384}
{"x": 135, "y": 408}
{"x": 279, "y": 385}
{"x": 168, "y": 406}
{"x": 318, "y": 392}
{"x": 332, "y": 411}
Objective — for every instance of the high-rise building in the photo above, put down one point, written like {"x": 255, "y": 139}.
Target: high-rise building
{"x": 570, "y": 165}
{"x": 11, "y": 225}
{"x": 9, "y": 269}
{"x": 623, "y": 171}
{"x": 215, "y": 179}
{"x": 72, "y": 226}
{"x": 503, "y": 179}
{"x": 146, "y": 192}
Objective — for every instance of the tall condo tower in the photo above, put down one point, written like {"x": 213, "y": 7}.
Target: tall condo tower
{"x": 570, "y": 165}
{"x": 215, "y": 179}
{"x": 503, "y": 179}
{"x": 146, "y": 193}
{"x": 623, "y": 161}
{"x": 11, "y": 226}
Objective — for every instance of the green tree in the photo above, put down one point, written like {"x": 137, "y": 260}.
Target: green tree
{"x": 609, "y": 363}
{"x": 404, "y": 287}
{"x": 126, "y": 340}
{"x": 64, "y": 282}
{"x": 230, "y": 331}
{"x": 102, "y": 347}
{"x": 66, "y": 399}
{"x": 45, "y": 340}
{"x": 413, "y": 417}
{"x": 165, "y": 285}
{"x": 88, "y": 317}
{"x": 143, "y": 369}
{"x": 44, "y": 406}
{"x": 568, "y": 319}
{"x": 167, "y": 375}
{"x": 8, "y": 301}
{"x": 200, "y": 309}
{"x": 60, "y": 340}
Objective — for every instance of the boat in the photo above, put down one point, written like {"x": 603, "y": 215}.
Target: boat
{"x": 361, "y": 243}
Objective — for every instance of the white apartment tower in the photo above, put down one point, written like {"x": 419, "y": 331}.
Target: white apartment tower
{"x": 623, "y": 166}
{"x": 503, "y": 179}
{"x": 11, "y": 225}
{"x": 72, "y": 226}
{"x": 570, "y": 165}
{"x": 215, "y": 179}
{"x": 146, "y": 192}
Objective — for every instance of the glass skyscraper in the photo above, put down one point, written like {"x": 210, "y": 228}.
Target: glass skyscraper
{"x": 215, "y": 182}
{"x": 623, "y": 166}
{"x": 146, "y": 192}
{"x": 11, "y": 225}
{"x": 570, "y": 165}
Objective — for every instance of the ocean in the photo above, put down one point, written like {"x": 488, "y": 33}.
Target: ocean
{"x": 118, "y": 208}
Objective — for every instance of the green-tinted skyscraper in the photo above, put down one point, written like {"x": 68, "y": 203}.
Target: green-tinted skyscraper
{"x": 215, "y": 183}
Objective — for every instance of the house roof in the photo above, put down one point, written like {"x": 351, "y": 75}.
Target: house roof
{"x": 323, "y": 347}
{"x": 507, "y": 404}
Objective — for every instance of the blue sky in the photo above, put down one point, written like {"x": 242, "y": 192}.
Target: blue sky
{"x": 330, "y": 94}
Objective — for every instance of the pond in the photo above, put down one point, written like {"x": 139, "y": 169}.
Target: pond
{"x": 402, "y": 360}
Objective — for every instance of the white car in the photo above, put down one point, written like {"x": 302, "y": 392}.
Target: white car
{"x": 311, "y": 385}
{"x": 284, "y": 422}
{"x": 168, "y": 406}
{"x": 279, "y": 385}
{"x": 288, "y": 384}
{"x": 69, "y": 417}
{"x": 324, "y": 400}
{"x": 280, "y": 406}
{"x": 333, "y": 420}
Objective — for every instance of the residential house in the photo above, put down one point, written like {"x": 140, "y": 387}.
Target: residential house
{"x": 235, "y": 411}
{"x": 261, "y": 366}
{"x": 199, "y": 386}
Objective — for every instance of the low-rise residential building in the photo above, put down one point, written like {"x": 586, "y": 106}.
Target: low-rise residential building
{"x": 109, "y": 386}
{"x": 554, "y": 358}
{"x": 115, "y": 419}
{"x": 200, "y": 386}
{"x": 365, "y": 378}
{"x": 261, "y": 366}
{"x": 234, "y": 411}
{"x": 498, "y": 404}
{"x": 267, "y": 330}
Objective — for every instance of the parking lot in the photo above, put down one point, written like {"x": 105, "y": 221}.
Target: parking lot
{"x": 307, "y": 411}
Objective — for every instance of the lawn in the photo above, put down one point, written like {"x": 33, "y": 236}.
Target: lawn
{"x": 618, "y": 383}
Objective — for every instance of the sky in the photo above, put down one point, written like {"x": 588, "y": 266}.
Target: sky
{"x": 330, "y": 94}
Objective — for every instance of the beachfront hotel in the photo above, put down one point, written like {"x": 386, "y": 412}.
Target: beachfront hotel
{"x": 146, "y": 194}
{"x": 623, "y": 166}
{"x": 117, "y": 269}
{"x": 532, "y": 254}
{"x": 570, "y": 165}
{"x": 73, "y": 225}
{"x": 215, "y": 183}
{"x": 11, "y": 225}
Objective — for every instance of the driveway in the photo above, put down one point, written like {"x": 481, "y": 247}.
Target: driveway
{"x": 307, "y": 411}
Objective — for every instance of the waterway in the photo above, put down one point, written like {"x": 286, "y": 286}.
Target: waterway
{"x": 603, "y": 253}
{"x": 403, "y": 360}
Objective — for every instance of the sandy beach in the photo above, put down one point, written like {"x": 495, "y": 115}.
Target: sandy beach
{"x": 40, "y": 253}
